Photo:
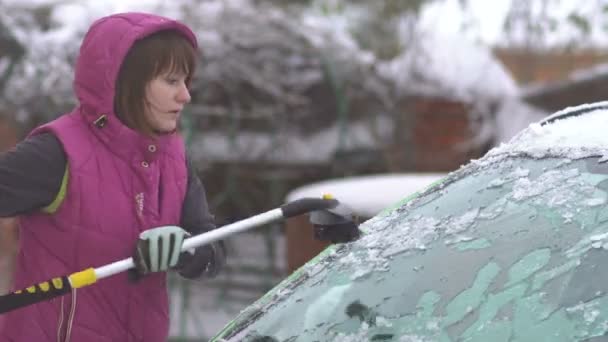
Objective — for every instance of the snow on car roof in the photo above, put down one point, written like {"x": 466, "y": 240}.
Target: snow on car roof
{"x": 575, "y": 132}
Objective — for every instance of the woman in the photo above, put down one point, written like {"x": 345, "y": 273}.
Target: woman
{"x": 107, "y": 181}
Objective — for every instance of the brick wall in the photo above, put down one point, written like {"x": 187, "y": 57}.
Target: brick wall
{"x": 441, "y": 130}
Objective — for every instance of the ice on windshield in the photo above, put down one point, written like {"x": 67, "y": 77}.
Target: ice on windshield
{"x": 517, "y": 174}
{"x": 563, "y": 192}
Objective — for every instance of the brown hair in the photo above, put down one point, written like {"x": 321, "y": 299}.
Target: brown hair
{"x": 160, "y": 52}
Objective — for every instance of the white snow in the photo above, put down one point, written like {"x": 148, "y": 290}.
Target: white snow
{"x": 513, "y": 116}
{"x": 368, "y": 195}
{"x": 524, "y": 188}
{"x": 450, "y": 67}
{"x": 576, "y": 137}
{"x": 447, "y": 65}
{"x": 516, "y": 174}
{"x": 590, "y": 73}
{"x": 589, "y": 310}
{"x": 583, "y": 75}
{"x": 462, "y": 223}
{"x": 324, "y": 307}
{"x": 595, "y": 202}
{"x": 338, "y": 25}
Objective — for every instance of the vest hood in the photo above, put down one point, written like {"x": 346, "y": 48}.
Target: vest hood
{"x": 102, "y": 52}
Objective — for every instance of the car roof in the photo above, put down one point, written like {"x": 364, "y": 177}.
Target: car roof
{"x": 573, "y": 133}
{"x": 574, "y": 111}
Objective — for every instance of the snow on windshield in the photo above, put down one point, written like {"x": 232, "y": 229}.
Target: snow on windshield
{"x": 574, "y": 137}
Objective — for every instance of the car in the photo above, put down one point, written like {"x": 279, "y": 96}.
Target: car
{"x": 510, "y": 247}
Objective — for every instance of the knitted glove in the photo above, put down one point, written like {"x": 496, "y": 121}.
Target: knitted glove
{"x": 158, "y": 249}
{"x": 204, "y": 261}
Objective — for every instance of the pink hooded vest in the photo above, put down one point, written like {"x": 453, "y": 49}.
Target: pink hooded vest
{"x": 120, "y": 183}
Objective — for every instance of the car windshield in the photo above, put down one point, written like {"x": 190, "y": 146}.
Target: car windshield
{"x": 513, "y": 250}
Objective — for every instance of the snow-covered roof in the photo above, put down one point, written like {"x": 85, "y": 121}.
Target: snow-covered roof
{"x": 581, "y": 86}
{"x": 368, "y": 195}
{"x": 574, "y": 132}
{"x": 443, "y": 65}
{"x": 578, "y": 76}
{"x": 599, "y": 70}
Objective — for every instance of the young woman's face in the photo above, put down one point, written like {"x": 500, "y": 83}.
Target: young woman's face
{"x": 166, "y": 96}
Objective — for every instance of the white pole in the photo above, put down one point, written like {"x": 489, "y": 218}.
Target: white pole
{"x": 199, "y": 240}
{"x": 231, "y": 229}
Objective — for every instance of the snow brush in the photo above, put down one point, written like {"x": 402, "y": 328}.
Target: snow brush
{"x": 331, "y": 220}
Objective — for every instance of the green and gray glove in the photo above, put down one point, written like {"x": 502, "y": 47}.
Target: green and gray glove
{"x": 158, "y": 249}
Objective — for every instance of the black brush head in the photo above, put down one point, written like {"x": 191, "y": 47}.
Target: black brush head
{"x": 337, "y": 224}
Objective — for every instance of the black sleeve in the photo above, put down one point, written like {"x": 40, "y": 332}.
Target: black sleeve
{"x": 31, "y": 174}
{"x": 196, "y": 219}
